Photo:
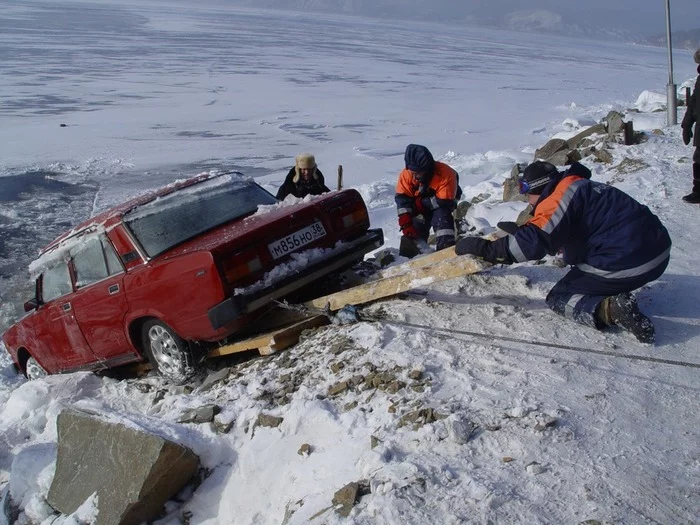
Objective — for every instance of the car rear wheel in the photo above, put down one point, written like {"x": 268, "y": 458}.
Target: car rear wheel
{"x": 170, "y": 355}
{"x": 33, "y": 370}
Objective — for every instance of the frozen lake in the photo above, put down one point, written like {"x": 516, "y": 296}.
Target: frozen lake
{"x": 110, "y": 100}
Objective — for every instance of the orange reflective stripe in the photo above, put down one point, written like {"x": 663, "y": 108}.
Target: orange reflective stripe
{"x": 548, "y": 206}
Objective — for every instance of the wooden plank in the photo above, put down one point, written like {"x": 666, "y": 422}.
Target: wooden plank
{"x": 270, "y": 342}
{"x": 413, "y": 277}
{"x": 428, "y": 259}
{"x": 417, "y": 262}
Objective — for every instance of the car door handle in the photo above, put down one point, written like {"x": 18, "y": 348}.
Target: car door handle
{"x": 66, "y": 307}
{"x": 113, "y": 289}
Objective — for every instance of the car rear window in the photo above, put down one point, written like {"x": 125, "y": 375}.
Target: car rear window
{"x": 167, "y": 221}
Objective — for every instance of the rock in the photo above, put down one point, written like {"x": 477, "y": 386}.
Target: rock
{"x": 338, "y": 388}
{"x": 577, "y": 140}
{"x": 214, "y": 379}
{"x": 416, "y": 375}
{"x": 344, "y": 499}
{"x": 459, "y": 429}
{"x": 524, "y": 216}
{"x": 384, "y": 258}
{"x": 222, "y": 427}
{"x": 631, "y": 166}
{"x": 550, "y": 149}
{"x": 133, "y": 472}
{"x": 564, "y": 157}
{"x": 304, "y": 450}
{"x": 203, "y": 414}
{"x": 613, "y": 122}
{"x": 534, "y": 468}
{"x": 265, "y": 420}
{"x": 603, "y": 155}
{"x": 507, "y": 459}
{"x": 374, "y": 441}
{"x": 511, "y": 191}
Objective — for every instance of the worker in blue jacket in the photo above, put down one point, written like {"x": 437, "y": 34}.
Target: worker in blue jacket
{"x": 613, "y": 243}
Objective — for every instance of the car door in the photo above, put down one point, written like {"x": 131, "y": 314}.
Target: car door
{"x": 60, "y": 342}
{"x": 99, "y": 301}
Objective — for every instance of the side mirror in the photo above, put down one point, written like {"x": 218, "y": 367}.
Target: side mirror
{"x": 30, "y": 305}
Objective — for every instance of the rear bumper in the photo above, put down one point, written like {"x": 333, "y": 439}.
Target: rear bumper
{"x": 239, "y": 305}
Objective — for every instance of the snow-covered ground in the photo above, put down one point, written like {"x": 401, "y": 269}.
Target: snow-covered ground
{"x": 468, "y": 401}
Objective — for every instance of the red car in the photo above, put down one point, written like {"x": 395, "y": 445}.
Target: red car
{"x": 191, "y": 263}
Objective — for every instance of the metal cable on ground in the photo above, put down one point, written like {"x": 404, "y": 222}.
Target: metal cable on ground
{"x": 365, "y": 317}
{"x": 350, "y": 313}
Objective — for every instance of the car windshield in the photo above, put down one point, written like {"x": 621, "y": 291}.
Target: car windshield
{"x": 184, "y": 214}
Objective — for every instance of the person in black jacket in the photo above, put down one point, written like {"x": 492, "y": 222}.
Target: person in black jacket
{"x": 692, "y": 115}
{"x": 303, "y": 179}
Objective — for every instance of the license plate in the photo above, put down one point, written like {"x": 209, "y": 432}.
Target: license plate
{"x": 296, "y": 240}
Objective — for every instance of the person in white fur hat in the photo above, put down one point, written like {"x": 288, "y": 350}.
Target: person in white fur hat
{"x": 692, "y": 116}
{"x": 303, "y": 179}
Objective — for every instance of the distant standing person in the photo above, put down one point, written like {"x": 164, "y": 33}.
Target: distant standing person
{"x": 613, "y": 243}
{"x": 426, "y": 195}
{"x": 303, "y": 179}
{"x": 692, "y": 115}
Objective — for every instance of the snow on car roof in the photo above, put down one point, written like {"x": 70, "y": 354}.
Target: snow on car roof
{"x": 70, "y": 243}
{"x": 174, "y": 198}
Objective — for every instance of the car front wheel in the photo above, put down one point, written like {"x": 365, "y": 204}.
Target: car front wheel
{"x": 169, "y": 354}
{"x": 33, "y": 370}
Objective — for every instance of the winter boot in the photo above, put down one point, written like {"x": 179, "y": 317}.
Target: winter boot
{"x": 692, "y": 198}
{"x": 622, "y": 310}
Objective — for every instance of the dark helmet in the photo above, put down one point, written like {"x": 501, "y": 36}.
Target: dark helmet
{"x": 536, "y": 176}
{"x": 419, "y": 160}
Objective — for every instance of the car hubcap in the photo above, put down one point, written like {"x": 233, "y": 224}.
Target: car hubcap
{"x": 165, "y": 350}
{"x": 34, "y": 369}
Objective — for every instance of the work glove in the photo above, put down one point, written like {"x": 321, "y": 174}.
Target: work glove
{"x": 471, "y": 246}
{"x": 687, "y": 134}
{"x": 508, "y": 227}
{"x": 406, "y": 226}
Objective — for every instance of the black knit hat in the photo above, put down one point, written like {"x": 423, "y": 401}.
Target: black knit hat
{"x": 536, "y": 176}
{"x": 419, "y": 159}
{"x": 696, "y": 56}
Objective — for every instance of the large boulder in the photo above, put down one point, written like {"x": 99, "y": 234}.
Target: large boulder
{"x": 133, "y": 472}
{"x": 550, "y": 149}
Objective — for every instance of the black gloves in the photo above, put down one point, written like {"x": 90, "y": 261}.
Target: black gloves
{"x": 472, "y": 246}
{"x": 687, "y": 134}
{"x": 508, "y": 227}
{"x": 495, "y": 252}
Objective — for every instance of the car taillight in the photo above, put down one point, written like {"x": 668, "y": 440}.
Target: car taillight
{"x": 241, "y": 265}
{"x": 355, "y": 217}
{"x": 350, "y": 216}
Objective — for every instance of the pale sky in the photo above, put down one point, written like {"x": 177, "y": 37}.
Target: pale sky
{"x": 636, "y": 17}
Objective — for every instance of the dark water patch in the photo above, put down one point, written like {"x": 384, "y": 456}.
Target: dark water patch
{"x": 37, "y": 206}
{"x": 25, "y": 185}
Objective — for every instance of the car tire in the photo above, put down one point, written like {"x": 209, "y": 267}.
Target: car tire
{"x": 170, "y": 355}
{"x": 33, "y": 370}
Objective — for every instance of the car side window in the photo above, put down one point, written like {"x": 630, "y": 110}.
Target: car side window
{"x": 95, "y": 261}
{"x": 55, "y": 282}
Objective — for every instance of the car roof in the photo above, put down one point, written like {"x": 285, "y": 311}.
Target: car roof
{"x": 112, "y": 215}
